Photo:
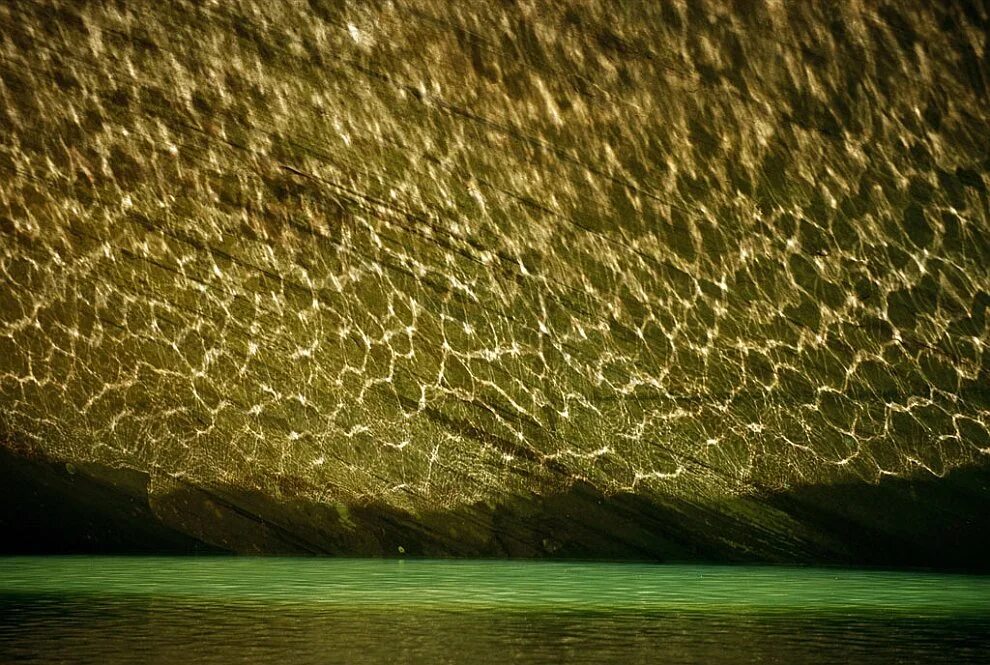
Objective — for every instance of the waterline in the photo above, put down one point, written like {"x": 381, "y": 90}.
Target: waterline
{"x": 527, "y": 585}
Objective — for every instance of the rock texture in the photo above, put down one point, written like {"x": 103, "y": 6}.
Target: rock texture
{"x": 645, "y": 279}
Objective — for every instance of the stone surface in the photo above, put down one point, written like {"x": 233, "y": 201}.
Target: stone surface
{"x": 659, "y": 279}
{"x": 48, "y": 506}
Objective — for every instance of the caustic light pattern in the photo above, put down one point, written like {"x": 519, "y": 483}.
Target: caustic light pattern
{"x": 434, "y": 253}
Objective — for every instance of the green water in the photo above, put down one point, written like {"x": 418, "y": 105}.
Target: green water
{"x": 99, "y": 609}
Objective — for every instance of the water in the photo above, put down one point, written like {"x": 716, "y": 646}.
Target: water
{"x": 222, "y": 610}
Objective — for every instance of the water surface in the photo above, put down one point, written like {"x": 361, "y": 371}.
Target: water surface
{"x": 222, "y": 610}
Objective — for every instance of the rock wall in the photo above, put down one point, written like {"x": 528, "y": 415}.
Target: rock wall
{"x": 420, "y": 258}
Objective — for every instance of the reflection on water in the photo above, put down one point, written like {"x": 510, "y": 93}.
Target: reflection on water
{"x": 356, "y": 611}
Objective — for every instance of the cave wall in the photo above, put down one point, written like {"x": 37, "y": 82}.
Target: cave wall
{"x": 428, "y": 257}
